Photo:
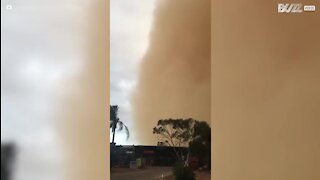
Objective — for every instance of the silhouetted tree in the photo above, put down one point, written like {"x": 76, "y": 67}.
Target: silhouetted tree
{"x": 175, "y": 133}
{"x": 201, "y": 142}
{"x": 115, "y": 123}
{"x": 190, "y": 133}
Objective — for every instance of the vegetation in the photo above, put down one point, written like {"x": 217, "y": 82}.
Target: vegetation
{"x": 192, "y": 134}
{"x": 201, "y": 143}
{"x": 182, "y": 172}
{"x": 115, "y": 123}
{"x": 175, "y": 133}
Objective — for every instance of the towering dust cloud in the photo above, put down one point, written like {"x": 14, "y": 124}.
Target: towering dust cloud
{"x": 265, "y": 93}
{"x": 174, "y": 79}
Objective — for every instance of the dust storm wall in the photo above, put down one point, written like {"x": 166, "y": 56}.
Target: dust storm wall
{"x": 265, "y": 92}
{"x": 174, "y": 76}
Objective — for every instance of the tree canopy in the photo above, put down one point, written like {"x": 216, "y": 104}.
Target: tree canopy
{"x": 189, "y": 133}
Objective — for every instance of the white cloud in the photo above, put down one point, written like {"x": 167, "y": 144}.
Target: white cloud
{"x": 129, "y": 32}
{"x": 42, "y": 46}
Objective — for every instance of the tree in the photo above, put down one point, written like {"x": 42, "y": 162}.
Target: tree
{"x": 115, "y": 123}
{"x": 175, "y": 133}
{"x": 201, "y": 142}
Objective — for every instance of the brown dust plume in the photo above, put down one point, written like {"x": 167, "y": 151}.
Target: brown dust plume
{"x": 265, "y": 92}
{"x": 174, "y": 79}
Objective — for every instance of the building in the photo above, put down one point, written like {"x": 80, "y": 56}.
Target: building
{"x": 121, "y": 156}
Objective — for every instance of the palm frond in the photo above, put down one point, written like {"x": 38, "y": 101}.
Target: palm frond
{"x": 115, "y": 123}
{"x": 127, "y": 132}
{"x": 120, "y": 125}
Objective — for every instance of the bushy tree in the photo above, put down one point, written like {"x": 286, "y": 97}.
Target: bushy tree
{"x": 192, "y": 134}
{"x": 175, "y": 133}
{"x": 201, "y": 142}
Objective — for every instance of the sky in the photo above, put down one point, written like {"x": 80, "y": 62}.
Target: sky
{"x": 130, "y": 25}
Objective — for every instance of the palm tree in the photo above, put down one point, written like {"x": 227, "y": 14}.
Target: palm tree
{"x": 116, "y": 123}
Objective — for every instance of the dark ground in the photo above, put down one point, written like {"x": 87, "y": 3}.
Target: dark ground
{"x": 150, "y": 173}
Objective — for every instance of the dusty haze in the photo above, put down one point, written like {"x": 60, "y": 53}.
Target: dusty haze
{"x": 265, "y": 98}
{"x": 86, "y": 109}
{"x": 174, "y": 79}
